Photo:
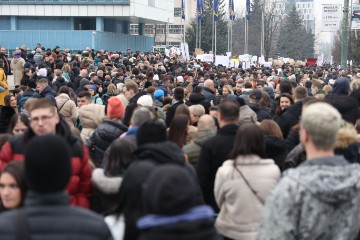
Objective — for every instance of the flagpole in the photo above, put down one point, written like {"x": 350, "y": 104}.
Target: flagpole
{"x": 200, "y": 34}
{"x": 215, "y": 38}
{"x": 212, "y": 34}
{"x": 184, "y": 30}
{"x": 197, "y": 33}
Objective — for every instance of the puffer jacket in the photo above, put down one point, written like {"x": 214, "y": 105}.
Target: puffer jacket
{"x": 262, "y": 113}
{"x": 318, "y": 200}
{"x": 67, "y": 109}
{"x": 193, "y": 149}
{"x": 240, "y": 208}
{"x": 48, "y": 93}
{"x": 105, "y": 191}
{"x": 102, "y": 137}
{"x": 48, "y": 216}
{"x": 79, "y": 186}
{"x": 90, "y": 116}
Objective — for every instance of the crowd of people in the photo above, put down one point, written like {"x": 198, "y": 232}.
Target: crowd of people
{"x": 126, "y": 146}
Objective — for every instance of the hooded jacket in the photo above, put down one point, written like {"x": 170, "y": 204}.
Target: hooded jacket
{"x": 90, "y": 116}
{"x": 198, "y": 98}
{"x": 48, "y": 93}
{"x": 79, "y": 186}
{"x": 193, "y": 149}
{"x": 318, "y": 200}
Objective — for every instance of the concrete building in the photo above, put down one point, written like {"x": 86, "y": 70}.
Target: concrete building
{"x": 306, "y": 10}
{"x": 77, "y": 24}
{"x": 170, "y": 33}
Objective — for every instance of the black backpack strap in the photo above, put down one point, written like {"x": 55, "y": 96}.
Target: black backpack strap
{"x": 21, "y": 225}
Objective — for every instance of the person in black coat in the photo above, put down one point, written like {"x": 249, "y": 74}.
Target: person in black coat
{"x": 196, "y": 97}
{"x": 171, "y": 193}
{"x": 216, "y": 150}
{"x": 47, "y": 209}
{"x": 131, "y": 92}
{"x": 179, "y": 95}
{"x": 110, "y": 129}
{"x": 45, "y": 91}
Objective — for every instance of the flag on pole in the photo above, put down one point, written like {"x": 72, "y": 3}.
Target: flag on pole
{"x": 231, "y": 10}
{"x": 200, "y": 9}
{"x": 184, "y": 9}
{"x": 248, "y": 9}
{"x": 216, "y": 10}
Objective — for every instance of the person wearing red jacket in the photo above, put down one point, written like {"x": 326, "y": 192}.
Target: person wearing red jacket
{"x": 44, "y": 120}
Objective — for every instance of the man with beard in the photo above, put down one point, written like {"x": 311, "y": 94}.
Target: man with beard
{"x": 4, "y": 57}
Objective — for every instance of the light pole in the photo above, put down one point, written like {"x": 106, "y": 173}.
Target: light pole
{"x": 345, "y": 35}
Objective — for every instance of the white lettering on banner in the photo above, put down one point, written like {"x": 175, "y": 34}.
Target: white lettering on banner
{"x": 355, "y": 17}
{"x": 330, "y": 17}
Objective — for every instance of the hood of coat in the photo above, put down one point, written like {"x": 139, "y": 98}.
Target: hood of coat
{"x": 91, "y": 115}
{"x": 160, "y": 153}
{"x": 204, "y": 135}
{"x": 274, "y": 144}
{"x": 346, "y": 136}
{"x": 108, "y": 185}
{"x": 196, "y": 98}
{"x": 332, "y": 179}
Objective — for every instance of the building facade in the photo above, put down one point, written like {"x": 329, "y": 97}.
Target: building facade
{"x": 170, "y": 33}
{"x": 77, "y": 24}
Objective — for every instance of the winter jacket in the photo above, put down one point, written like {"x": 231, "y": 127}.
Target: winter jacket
{"x": 131, "y": 107}
{"x": 318, "y": 200}
{"x": 192, "y": 150}
{"x": 240, "y": 208}
{"x": 102, "y": 137}
{"x": 79, "y": 186}
{"x": 106, "y": 97}
{"x": 49, "y": 216}
{"x": 38, "y": 58}
{"x": 209, "y": 95}
{"x": 90, "y": 116}
{"x": 6, "y": 114}
{"x": 59, "y": 82}
{"x": 247, "y": 115}
{"x": 347, "y": 144}
{"x": 4, "y": 84}
{"x": 262, "y": 113}
{"x": 198, "y": 98}
{"x": 295, "y": 157}
{"x": 170, "y": 113}
{"x": 347, "y": 106}
{"x": 67, "y": 109}
{"x": 96, "y": 99}
{"x": 17, "y": 65}
{"x": 213, "y": 153}
{"x": 48, "y": 93}
{"x": 275, "y": 148}
{"x": 289, "y": 118}
{"x": 29, "y": 93}
{"x": 7, "y": 67}
{"x": 105, "y": 191}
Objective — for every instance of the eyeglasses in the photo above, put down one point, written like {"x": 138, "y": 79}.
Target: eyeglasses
{"x": 44, "y": 118}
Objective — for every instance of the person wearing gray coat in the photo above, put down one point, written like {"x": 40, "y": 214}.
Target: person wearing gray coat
{"x": 320, "y": 199}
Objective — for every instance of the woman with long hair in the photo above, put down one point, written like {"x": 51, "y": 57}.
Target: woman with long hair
{"x": 107, "y": 180}
{"x": 12, "y": 186}
{"x": 178, "y": 130}
{"x": 19, "y": 123}
{"x": 66, "y": 106}
{"x": 242, "y": 185}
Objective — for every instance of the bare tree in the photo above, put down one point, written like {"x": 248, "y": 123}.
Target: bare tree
{"x": 272, "y": 22}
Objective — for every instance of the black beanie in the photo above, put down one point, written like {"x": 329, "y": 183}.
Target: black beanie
{"x": 47, "y": 164}
{"x": 170, "y": 190}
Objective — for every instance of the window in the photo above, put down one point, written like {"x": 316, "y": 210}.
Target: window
{"x": 177, "y": 12}
{"x": 175, "y": 29}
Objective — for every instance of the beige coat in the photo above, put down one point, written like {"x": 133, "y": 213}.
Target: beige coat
{"x": 67, "y": 109}
{"x": 240, "y": 209}
{"x": 17, "y": 65}
{"x": 91, "y": 116}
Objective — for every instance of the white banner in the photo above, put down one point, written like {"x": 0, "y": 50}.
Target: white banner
{"x": 223, "y": 60}
{"x": 355, "y": 17}
{"x": 208, "y": 57}
{"x": 331, "y": 17}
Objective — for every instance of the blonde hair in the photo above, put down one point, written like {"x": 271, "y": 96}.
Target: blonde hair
{"x": 322, "y": 125}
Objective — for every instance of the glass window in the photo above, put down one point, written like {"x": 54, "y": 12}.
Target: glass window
{"x": 177, "y": 12}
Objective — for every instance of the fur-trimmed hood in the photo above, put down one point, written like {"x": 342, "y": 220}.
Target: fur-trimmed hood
{"x": 105, "y": 184}
{"x": 347, "y": 135}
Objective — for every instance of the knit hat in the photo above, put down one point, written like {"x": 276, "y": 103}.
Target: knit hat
{"x": 84, "y": 82}
{"x": 145, "y": 101}
{"x": 115, "y": 108}
{"x": 42, "y": 72}
{"x": 93, "y": 87}
{"x": 158, "y": 94}
{"x": 47, "y": 169}
{"x": 170, "y": 190}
